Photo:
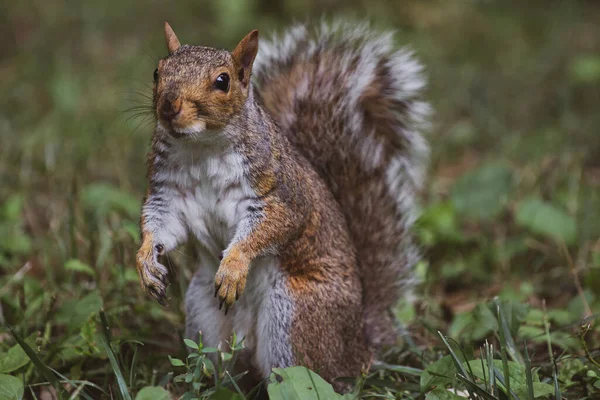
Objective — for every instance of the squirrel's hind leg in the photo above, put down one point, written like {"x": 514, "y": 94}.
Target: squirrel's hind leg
{"x": 328, "y": 329}
{"x": 202, "y": 311}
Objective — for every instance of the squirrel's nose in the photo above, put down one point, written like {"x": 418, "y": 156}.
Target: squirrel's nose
{"x": 170, "y": 106}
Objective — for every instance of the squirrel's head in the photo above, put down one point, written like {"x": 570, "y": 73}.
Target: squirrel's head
{"x": 200, "y": 88}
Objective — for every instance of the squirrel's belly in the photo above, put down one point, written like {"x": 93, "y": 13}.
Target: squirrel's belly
{"x": 216, "y": 200}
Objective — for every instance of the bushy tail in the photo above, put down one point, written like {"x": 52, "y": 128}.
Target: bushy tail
{"x": 350, "y": 102}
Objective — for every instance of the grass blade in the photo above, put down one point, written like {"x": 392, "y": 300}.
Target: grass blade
{"x": 485, "y": 379}
{"x": 104, "y": 341}
{"x": 79, "y": 389}
{"x": 41, "y": 367}
{"x": 503, "y": 351}
{"x": 234, "y": 383}
{"x": 510, "y": 342}
{"x": 457, "y": 362}
{"x": 397, "y": 368}
{"x": 503, "y": 381}
{"x": 557, "y": 394}
{"x": 132, "y": 368}
{"x": 482, "y": 393}
{"x": 528, "y": 374}
{"x": 490, "y": 365}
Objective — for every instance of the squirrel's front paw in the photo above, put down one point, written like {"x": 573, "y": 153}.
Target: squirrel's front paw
{"x": 153, "y": 275}
{"x": 230, "y": 280}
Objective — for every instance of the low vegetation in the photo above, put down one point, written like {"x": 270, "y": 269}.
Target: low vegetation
{"x": 509, "y": 298}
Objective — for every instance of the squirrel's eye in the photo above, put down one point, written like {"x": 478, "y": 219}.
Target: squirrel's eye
{"x": 155, "y": 74}
{"x": 222, "y": 82}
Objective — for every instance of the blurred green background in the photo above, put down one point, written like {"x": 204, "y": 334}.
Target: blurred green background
{"x": 511, "y": 207}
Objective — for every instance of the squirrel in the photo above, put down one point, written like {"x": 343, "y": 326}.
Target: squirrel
{"x": 297, "y": 188}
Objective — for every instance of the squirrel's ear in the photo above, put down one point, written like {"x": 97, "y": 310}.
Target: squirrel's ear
{"x": 244, "y": 54}
{"x": 172, "y": 41}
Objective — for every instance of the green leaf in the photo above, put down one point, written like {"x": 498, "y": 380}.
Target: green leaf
{"x": 210, "y": 350}
{"x": 102, "y": 198}
{"x": 438, "y": 374}
{"x": 438, "y": 223}
{"x": 547, "y": 220}
{"x": 11, "y": 388}
{"x": 190, "y": 343}
{"x": 475, "y": 324}
{"x": 153, "y": 393}
{"x": 299, "y": 383}
{"x": 79, "y": 266}
{"x": 14, "y": 238}
{"x": 12, "y": 360}
{"x": 176, "y": 362}
{"x": 483, "y": 193}
{"x": 398, "y": 368}
{"x": 541, "y": 389}
{"x": 11, "y": 208}
{"x": 88, "y": 333}
{"x": 114, "y": 363}
{"x": 66, "y": 90}
{"x": 74, "y": 313}
{"x": 585, "y": 68}
{"x": 569, "y": 368}
{"x": 442, "y": 394}
{"x": 560, "y": 339}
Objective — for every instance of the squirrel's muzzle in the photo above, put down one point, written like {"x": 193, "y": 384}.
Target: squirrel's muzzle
{"x": 169, "y": 106}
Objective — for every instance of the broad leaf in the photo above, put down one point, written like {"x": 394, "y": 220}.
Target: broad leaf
{"x": 11, "y": 388}
{"x": 547, "y": 220}
{"x": 475, "y": 324}
{"x": 442, "y": 394}
{"x": 74, "y": 313}
{"x": 438, "y": 374}
{"x": 153, "y": 393}
{"x": 79, "y": 266}
{"x": 102, "y": 198}
{"x": 299, "y": 383}
{"x": 483, "y": 193}
{"x": 12, "y": 360}
{"x": 585, "y": 68}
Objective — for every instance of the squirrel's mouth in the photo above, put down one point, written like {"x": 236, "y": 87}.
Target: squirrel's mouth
{"x": 179, "y": 131}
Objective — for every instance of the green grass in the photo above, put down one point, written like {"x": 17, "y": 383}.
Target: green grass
{"x": 510, "y": 294}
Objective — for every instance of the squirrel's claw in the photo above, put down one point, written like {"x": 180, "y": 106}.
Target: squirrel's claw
{"x": 157, "y": 288}
{"x": 153, "y": 275}
{"x": 230, "y": 282}
{"x": 159, "y": 295}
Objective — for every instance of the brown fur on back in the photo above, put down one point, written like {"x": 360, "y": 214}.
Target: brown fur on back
{"x": 351, "y": 104}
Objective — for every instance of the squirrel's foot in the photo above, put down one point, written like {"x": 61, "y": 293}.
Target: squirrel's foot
{"x": 153, "y": 275}
{"x": 230, "y": 280}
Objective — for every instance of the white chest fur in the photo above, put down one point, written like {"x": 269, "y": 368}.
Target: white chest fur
{"x": 210, "y": 193}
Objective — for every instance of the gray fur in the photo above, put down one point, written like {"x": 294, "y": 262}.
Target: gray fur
{"x": 319, "y": 85}
{"x": 262, "y": 317}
